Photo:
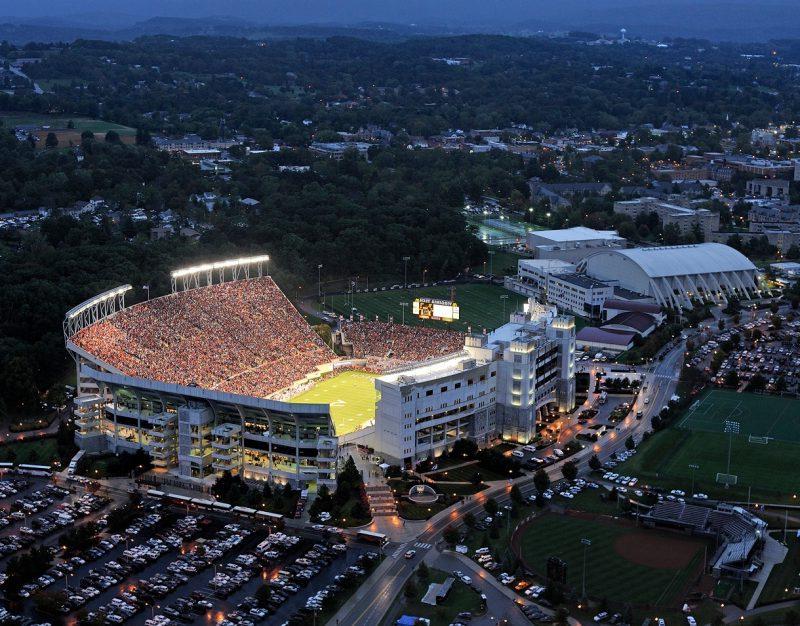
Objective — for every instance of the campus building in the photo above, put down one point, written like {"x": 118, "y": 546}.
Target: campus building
{"x": 499, "y": 386}
{"x": 557, "y": 282}
{"x": 686, "y": 220}
{"x": 571, "y": 244}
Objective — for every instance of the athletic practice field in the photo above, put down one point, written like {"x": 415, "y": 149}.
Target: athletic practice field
{"x": 351, "y": 395}
{"x": 763, "y": 454}
{"x": 480, "y": 305}
{"x": 623, "y": 563}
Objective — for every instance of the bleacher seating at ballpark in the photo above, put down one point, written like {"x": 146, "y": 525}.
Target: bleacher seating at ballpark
{"x": 399, "y": 342}
{"x": 241, "y": 337}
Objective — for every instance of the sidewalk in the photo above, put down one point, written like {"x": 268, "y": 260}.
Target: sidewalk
{"x": 774, "y": 553}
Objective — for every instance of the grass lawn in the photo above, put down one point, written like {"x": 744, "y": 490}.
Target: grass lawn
{"x": 351, "y": 396}
{"x": 466, "y": 472}
{"x": 461, "y": 598}
{"x": 784, "y": 578}
{"x": 623, "y": 563}
{"x": 698, "y": 438}
{"x": 41, "y": 451}
{"x": 10, "y": 120}
{"x": 480, "y": 305}
{"x": 589, "y": 501}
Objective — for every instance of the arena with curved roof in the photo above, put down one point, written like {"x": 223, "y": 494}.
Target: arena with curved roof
{"x": 675, "y": 276}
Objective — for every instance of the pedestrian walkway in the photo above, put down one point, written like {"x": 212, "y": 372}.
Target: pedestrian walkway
{"x": 773, "y": 553}
{"x": 381, "y": 501}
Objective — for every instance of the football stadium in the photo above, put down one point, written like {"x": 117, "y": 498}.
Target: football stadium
{"x": 224, "y": 374}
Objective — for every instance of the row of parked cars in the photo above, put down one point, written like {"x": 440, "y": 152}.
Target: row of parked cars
{"x": 176, "y": 573}
{"x": 65, "y": 514}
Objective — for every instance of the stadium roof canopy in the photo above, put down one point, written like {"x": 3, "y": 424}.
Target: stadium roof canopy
{"x": 701, "y": 258}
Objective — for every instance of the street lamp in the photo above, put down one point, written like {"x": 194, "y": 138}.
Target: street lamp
{"x": 586, "y": 543}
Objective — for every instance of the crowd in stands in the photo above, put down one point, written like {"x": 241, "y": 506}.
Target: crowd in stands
{"x": 241, "y": 337}
{"x": 398, "y": 342}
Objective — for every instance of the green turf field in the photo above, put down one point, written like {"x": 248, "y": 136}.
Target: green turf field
{"x": 351, "y": 396}
{"x": 479, "y": 305}
{"x": 769, "y": 470}
{"x": 10, "y": 120}
{"x": 609, "y": 574}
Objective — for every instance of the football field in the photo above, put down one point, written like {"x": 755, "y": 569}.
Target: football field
{"x": 351, "y": 396}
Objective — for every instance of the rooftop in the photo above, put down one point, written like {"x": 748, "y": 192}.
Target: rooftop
{"x": 578, "y": 233}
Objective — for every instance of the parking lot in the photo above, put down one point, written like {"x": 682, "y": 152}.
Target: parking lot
{"x": 147, "y": 563}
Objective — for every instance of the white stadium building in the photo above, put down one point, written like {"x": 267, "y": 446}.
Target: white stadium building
{"x": 674, "y": 276}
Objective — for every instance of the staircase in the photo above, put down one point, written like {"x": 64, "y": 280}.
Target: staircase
{"x": 381, "y": 501}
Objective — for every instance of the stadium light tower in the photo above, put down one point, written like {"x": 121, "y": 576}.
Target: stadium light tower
{"x": 406, "y": 259}
{"x": 403, "y": 307}
{"x": 693, "y": 467}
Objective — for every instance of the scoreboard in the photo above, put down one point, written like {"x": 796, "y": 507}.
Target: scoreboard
{"x": 430, "y": 309}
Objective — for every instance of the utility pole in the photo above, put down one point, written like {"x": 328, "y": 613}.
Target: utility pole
{"x": 586, "y": 543}
{"x": 406, "y": 259}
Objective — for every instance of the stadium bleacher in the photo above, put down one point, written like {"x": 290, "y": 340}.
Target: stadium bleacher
{"x": 242, "y": 337}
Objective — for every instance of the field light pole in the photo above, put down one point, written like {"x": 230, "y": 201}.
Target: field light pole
{"x": 406, "y": 259}
{"x": 732, "y": 428}
{"x": 403, "y": 306}
{"x": 319, "y": 281}
{"x": 693, "y": 467}
{"x": 491, "y": 263}
{"x": 147, "y": 289}
{"x": 504, "y": 298}
{"x": 586, "y": 543}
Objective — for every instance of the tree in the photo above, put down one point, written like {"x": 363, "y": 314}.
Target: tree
{"x": 570, "y": 470}
{"x": 469, "y": 519}
{"x": 541, "y": 480}
{"x": 51, "y": 141}
{"x": 410, "y": 590}
{"x": 595, "y": 463}
{"x": 630, "y": 444}
{"x": 267, "y": 490}
{"x": 732, "y": 379}
{"x": 423, "y": 573}
{"x": 791, "y": 618}
{"x": 491, "y": 506}
{"x": 450, "y": 534}
{"x": 18, "y": 385}
{"x": 112, "y": 136}
{"x": 516, "y": 495}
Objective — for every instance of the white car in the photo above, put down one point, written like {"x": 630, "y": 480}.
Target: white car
{"x": 601, "y": 616}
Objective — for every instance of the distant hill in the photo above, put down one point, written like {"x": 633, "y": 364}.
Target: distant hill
{"x": 720, "y": 20}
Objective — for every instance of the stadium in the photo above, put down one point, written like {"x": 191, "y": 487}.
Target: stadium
{"x": 224, "y": 374}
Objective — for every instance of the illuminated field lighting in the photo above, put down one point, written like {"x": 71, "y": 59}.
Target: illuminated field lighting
{"x": 103, "y": 297}
{"x": 220, "y": 265}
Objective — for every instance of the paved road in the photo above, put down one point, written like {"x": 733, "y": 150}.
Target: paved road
{"x": 373, "y": 599}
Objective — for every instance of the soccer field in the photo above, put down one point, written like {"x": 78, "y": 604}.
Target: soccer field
{"x": 623, "y": 563}
{"x": 757, "y": 416}
{"x": 763, "y": 455}
{"x": 351, "y": 396}
{"x": 480, "y": 305}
